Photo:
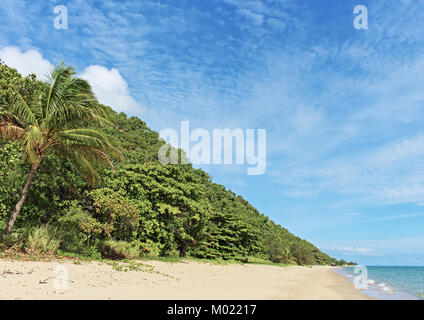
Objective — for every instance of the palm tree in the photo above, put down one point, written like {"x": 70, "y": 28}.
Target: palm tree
{"x": 57, "y": 120}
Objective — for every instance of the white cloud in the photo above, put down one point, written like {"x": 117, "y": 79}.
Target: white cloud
{"x": 357, "y": 250}
{"x": 108, "y": 85}
{"x": 111, "y": 89}
{"x": 415, "y": 244}
{"x": 27, "y": 62}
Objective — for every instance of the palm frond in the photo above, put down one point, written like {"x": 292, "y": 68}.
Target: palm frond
{"x": 89, "y": 138}
{"x": 11, "y": 131}
{"x": 87, "y": 170}
{"x": 57, "y": 119}
{"x": 55, "y": 94}
{"x": 100, "y": 154}
{"x": 73, "y": 115}
{"x": 72, "y": 103}
{"x": 32, "y": 144}
{"x": 20, "y": 110}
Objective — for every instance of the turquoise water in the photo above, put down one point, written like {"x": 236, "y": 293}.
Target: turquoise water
{"x": 391, "y": 282}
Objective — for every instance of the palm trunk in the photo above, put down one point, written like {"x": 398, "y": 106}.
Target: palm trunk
{"x": 21, "y": 201}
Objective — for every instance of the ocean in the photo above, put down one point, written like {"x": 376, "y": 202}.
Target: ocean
{"x": 388, "y": 283}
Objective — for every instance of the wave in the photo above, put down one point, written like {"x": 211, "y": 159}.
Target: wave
{"x": 378, "y": 289}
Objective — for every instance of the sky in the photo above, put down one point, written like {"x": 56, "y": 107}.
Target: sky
{"x": 342, "y": 107}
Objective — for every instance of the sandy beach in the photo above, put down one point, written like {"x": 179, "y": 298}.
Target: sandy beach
{"x": 165, "y": 280}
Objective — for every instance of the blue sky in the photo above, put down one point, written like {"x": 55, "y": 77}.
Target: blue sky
{"x": 343, "y": 108}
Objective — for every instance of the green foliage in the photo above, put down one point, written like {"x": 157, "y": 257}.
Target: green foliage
{"x": 11, "y": 241}
{"x": 54, "y": 117}
{"x": 140, "y": 209}
{"x": 11, "y": 82}
{"x": 79, "y": 220}
{"x": 233, "y": 226}
{"x": 42, "y": 239}
{"x": 148, "y": 249}
{"x": 117, "y": 214}
{"x": 11, "y": 176}
{"x": 55, "y": 186}
{"x": 112, "y": 249}
{"x": 78, "y": 231}
{"x": 171, "y": 202}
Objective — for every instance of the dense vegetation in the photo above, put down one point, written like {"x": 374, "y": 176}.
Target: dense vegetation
{"x": 138, "y": 208}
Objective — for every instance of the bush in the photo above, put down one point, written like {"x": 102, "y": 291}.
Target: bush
{"x": 115, "y": 211}
{"x": 42, "y": 239}
{"x": 90, "y": 252}
{"x": 79, "y": 231}
{"x": 276, "y": 254}
{"x": 112, "y": 249}
{"x": 11, "y": 241}
{"x": 148, "y": 249}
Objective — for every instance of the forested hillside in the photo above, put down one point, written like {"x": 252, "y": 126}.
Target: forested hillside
{"x": 138, "y": 208}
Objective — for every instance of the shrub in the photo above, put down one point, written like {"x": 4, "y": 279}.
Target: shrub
{"x": 276, "y": 257}
{"x": 78, "y": 229}
{"x": 11, "y": 241}
{"x": 116, "y": 212}
{"x": 90, "y": 252}
{"x": 42, "y": 239}
{"x": 118, "y": 250}
{"x": 148, "y": 249}
{"x": 275, "y": 250}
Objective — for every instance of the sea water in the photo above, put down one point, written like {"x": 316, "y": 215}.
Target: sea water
{"x": 397, "y": 283}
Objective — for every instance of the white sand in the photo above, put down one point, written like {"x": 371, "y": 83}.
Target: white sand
{"x": 21, "y": 280}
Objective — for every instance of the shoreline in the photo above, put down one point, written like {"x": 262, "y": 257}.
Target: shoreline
{"x": 185, "y": 280}
{"x": 380, "y": 290}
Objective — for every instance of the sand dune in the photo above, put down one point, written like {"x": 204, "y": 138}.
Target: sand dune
{"x": 188, "y": 280}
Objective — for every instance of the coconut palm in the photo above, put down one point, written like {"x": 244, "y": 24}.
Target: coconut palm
{"x": 59, "y": 119}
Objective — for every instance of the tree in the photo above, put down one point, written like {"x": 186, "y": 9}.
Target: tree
{"x": 59, "y": 119}
{"x": 160, "y": 209}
